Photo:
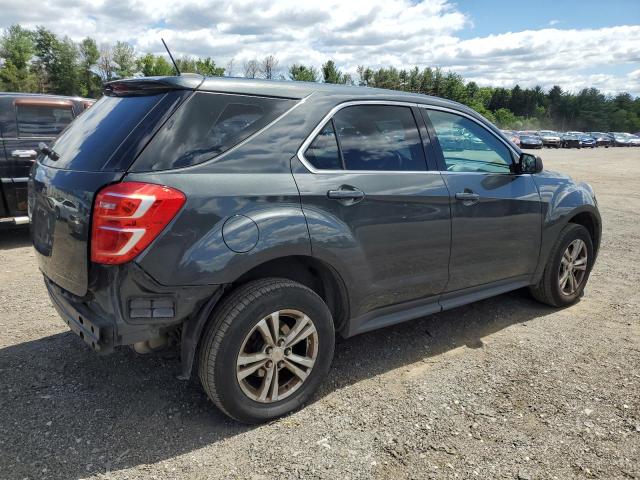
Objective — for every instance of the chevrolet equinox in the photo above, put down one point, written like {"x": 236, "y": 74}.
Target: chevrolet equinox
{"x": 249, "y": 222}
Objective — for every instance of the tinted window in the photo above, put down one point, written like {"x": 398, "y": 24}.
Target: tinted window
{"x": 323, "y": 152}
{"x": 379, "y": 137}
{"x": 94, "y": 137}
{"x": 468, "y": 147}
{"x": 42, "y": 121}
{"x": 208, "y": 125}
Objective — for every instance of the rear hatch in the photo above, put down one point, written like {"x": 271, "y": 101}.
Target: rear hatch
{"x": 94, "y": 151}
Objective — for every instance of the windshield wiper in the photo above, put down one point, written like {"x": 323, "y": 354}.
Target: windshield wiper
{"x": 48, "y": 151}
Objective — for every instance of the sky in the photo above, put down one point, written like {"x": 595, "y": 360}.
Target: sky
{"x": 574, "y": 44}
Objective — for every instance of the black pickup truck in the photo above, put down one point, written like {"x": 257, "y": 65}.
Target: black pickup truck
{"x": 25, "y": 121}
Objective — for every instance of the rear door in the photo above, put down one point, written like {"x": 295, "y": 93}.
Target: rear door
{"x": 495, "y": 213}
{"x": 373, "y": 204}
{"x": 36, "y": 119}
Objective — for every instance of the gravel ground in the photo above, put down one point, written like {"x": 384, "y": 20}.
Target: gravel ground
{"x": 503, "y": 388}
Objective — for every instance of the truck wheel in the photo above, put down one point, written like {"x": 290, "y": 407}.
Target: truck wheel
{"x": 266, "y": 349}
{"x": 568, "y": 268}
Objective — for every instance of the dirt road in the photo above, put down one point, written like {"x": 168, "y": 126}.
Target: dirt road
{"x": 504, "y": 388}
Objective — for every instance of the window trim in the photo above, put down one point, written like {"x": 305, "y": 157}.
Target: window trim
{"x": 442, "y": 166}
{"x": 329, "y": 116}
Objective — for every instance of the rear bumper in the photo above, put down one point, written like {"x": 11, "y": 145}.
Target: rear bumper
{"x": 96, "y": 332}
{"x": 125, "y": 306}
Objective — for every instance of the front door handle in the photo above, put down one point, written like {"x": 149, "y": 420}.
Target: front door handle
{"x": 346, "y": 194}
{"x": 468, "y": 198}
{"x": 24, "y": 153}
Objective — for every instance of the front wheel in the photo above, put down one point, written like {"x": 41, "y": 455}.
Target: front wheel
{"x": 568, "y": 268}
{"x": 266, "y": 350}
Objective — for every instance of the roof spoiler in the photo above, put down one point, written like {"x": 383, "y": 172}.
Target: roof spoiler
{"x": 132, "y": 87}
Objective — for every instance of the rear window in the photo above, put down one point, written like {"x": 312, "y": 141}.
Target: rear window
{"x": 41, "y": 120}
{"x": 94, "y": 138}
{"x": 208, "y": 125}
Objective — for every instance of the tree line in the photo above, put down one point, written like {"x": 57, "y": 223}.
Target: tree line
{"x": 40, "y": 61}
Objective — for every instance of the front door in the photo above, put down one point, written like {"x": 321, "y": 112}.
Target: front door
{"x": 374, "y": 208}
{"x": 495, "y": 214}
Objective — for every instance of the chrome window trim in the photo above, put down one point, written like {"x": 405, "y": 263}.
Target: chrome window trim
{"x": 311, "y": 137}
{"x": 473, "y": 119}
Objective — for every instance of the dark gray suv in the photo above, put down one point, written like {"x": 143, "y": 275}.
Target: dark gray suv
{"x": 250, "y": 221}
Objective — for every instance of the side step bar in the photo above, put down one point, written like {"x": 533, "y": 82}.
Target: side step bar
{"x": 14, "y": 221}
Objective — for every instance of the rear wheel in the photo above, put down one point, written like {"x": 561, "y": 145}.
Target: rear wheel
{"x": 568, "y": 268}
{"x": 266, "y": 350}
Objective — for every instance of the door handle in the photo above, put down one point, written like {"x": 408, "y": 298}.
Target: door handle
{"x": 351, "y": 195}
{"x": 24, "y": 153}
{"x": 468, "y": 198}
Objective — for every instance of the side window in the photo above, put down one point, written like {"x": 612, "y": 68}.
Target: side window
{"x": 323, "y": 152}
{"x": 469, "y": 147}
{"x": 379, "y": 137}
{"x": 41, "y": 120}
{"x": 208, "y": 125}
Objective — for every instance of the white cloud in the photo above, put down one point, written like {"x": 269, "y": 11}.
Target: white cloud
{"x": 375, "y": 33}
{"x": 554, "y": 22}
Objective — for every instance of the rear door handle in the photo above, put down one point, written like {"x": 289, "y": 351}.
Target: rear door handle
{"x": 24, "y": 153}
{"x": 345, "y": 193}
{"x": 468, "y": 198}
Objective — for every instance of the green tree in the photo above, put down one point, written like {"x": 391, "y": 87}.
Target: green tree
{"x": 331, "y": 74}
{"x": 64, "y": 69}
{"x": 16, "y": 46}
{"x": 302, "y": 73}
{"x": 90, "y": 82}
{"x": 124, "y": 57}
{"x": 505, "y": 118}
{"x": 56, "y": 63}
{"x": 206, "y": 66}
{"x": 46, "y": 44}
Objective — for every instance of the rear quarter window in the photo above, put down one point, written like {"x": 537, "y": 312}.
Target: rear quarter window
{"x": 208, "y": 125}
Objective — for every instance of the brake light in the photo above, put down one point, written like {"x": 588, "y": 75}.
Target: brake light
{"x": 128, "y": 216}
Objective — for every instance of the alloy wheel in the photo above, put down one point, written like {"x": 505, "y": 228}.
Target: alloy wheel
{"x": 277, "y": 356}
{"x": 573, "y": 267}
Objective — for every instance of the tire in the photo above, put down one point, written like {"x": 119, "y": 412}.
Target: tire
{"x": 234, "y": 325}
{"x": 548, "y": 290}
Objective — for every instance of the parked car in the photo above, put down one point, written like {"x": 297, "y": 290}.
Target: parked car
{"x": 513, "y": 136}
{"x": 25, "y": 121}
{"x": 620, "y": 139}
{"x": 602, "y": 139}
{"x": 530, "y": 139}
{"x": 587, "y": 141}
{"x": 570, "y": 140}
{"x": 634, "y": 140}
{"x": 327, "y": 209}
{"x": 550, "y": 138}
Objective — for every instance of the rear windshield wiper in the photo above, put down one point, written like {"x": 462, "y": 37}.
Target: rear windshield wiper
{"x": 48, "y": 151}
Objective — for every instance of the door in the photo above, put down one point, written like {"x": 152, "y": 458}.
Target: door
{"x": 35, "y": 120}
{"x": 495, "y": 214}
{"x": 374, "y": 209}
{"x": 4, "y": 165}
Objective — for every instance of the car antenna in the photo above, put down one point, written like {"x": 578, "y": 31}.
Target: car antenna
{"x": 175, "y": 65}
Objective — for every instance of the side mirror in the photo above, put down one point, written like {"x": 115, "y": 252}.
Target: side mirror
{"x": 530, "y": 163}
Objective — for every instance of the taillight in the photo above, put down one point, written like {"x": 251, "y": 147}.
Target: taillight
{"x": 128, "y": 216}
